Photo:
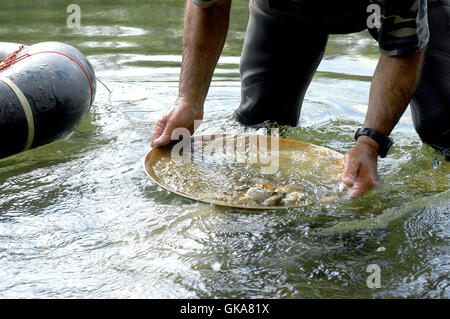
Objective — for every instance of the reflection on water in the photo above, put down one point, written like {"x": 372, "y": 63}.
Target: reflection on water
{"x": 80, "y": 218}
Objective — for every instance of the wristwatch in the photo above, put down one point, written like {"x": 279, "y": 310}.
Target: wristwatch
{"x": 384, "y": 142}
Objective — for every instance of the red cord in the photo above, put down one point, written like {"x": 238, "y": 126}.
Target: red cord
{"x": 10, "y": 59}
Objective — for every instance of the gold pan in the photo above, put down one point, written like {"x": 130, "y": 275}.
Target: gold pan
{"x": 247, "y": 171}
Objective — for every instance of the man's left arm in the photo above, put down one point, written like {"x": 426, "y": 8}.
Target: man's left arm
{"x": 393, "y": 84}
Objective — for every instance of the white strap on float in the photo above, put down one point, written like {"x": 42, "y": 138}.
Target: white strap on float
{"x": 26, "y": 108}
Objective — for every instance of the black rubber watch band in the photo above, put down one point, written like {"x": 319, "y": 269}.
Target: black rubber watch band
{"x": 384, "y": 142}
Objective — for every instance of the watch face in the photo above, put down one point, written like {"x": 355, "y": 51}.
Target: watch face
{"x": 389, "y": 145}
{"x": 357, "y": 133}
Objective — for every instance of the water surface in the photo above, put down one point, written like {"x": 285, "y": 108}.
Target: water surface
{"x": 80, "y": 218}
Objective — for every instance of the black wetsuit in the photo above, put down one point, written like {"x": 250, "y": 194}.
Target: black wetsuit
{"x": 276, "y": 69}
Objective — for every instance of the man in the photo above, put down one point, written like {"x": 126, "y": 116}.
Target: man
{"x": 284, "y": 45}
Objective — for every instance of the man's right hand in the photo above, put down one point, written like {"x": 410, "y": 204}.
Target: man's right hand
{"x": 204, "y": 34}
{"x": 181, "y": 115}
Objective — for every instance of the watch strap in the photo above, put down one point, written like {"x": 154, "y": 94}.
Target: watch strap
{"x": 384, "y": 142}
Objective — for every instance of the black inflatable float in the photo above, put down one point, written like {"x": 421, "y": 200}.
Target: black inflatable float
{"x": 46, "y": 89}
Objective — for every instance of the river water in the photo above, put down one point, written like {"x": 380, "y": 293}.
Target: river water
{"x": 80, "y": 217}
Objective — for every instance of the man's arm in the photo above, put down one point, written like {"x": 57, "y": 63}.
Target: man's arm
{"x": 204, "y": 34}
{"x": 393, "y": 84}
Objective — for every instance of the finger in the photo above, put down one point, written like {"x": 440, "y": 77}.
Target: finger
{"x": 363, "y": 182}
{"x": 194, "y": 126}
{"x": 159, "y": 129}
{"x": 358, "y": 189}
{"x": 350, "y": 171}
{"x": 165, "y": 137}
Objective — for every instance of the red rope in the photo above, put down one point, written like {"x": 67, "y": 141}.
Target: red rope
{"x": 10, "y": 59}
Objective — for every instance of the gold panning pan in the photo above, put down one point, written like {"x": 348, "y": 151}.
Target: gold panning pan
{"x": 247, "y": 171}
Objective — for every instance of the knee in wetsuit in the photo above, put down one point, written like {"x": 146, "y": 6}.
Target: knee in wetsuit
{"x": 430, "y": 105}
{"x": 276, "y": 69}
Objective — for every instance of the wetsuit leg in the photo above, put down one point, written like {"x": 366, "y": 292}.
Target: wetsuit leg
{"x": 280, "y": 56}
{"x": 430, "y": 105}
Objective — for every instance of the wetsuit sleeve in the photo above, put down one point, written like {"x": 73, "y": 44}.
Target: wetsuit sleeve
{"x": 404, "y": 26}
{"x": 204, "y": 3}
